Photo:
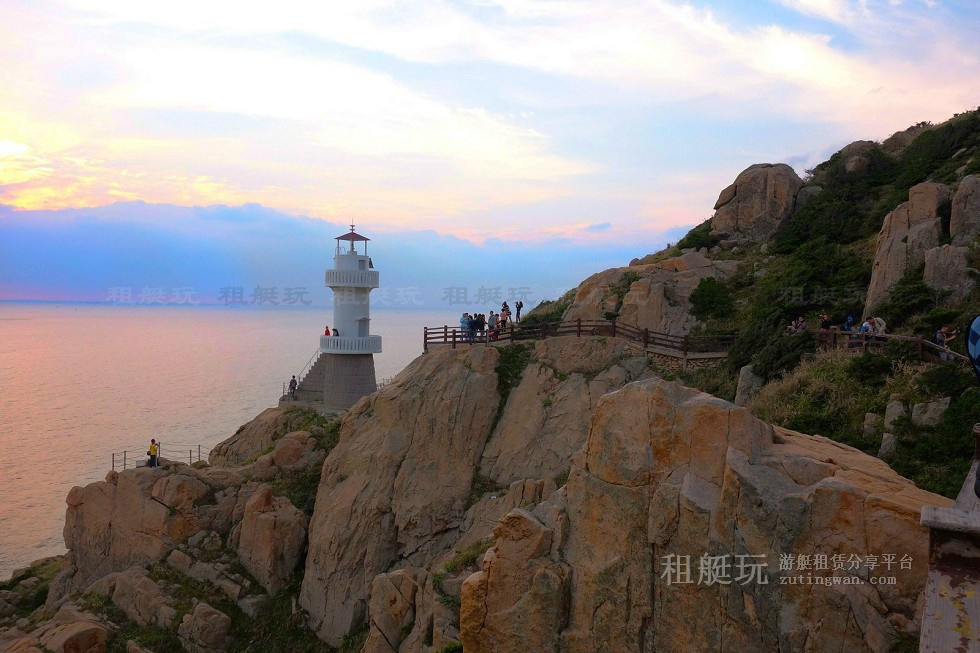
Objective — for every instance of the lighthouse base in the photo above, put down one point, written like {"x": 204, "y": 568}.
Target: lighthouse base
{"x": 347, "y": 378}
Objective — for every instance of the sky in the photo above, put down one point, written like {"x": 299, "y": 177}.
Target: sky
{"x": 484, "y": 143}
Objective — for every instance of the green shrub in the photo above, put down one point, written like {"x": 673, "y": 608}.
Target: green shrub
{"x": 938, "y": 459}
{"x": 698, "y": 237}
{"x": 711, "y": 299}
{"x": 549, "y": 311}
{"x": 869, "y": 368}
{"x": 909, "y": 296}
{"x": 467, "y": 557}
{"x": 479, "y": 487}
{"x": 452, "y": 648}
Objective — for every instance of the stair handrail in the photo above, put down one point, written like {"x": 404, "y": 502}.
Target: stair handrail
{"x": 316, "y": 353}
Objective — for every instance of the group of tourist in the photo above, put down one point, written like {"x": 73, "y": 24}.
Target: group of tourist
{"x": 328, "y": 332}
{"x": 479, "y": 325}
{"x": 871, "y": 326}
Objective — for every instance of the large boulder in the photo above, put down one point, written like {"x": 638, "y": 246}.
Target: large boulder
{"x": 964, "y": 225}
{"x": 761, "y": 197}
{"x": 392, "y": 609}
{"x": 138, "y": 596}
{"x": 273, "y": 534}
{"x": 681, "y": 518}
{"x": 906, "y": 234}
{"x": 140, "y": 515}
{"x": 205, "y": 630}
{"x": 111, "y": 527}
{"x": 71, "y": 630}
{"x": 519, "y": 600}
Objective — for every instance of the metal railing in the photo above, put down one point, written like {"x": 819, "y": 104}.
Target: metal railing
{"x": 127, "y": 458}
{"x": 682, "y": 345}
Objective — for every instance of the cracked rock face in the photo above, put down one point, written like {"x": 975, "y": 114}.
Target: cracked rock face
{"x": 398, "y": 478}
{"x": 670, "y": 474}
{"x": 906, "y": 234}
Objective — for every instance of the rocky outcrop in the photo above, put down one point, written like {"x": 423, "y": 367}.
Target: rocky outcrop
{"x": 906, "y": 234}
{"x": 659, "y": 299}
{"x": 753, "y": 207}
{"x": 674, "y": 482}
{"x": 964, "y": 224}
{"x": 140, "y": 515}
{"x": 946, "y": 270}
{"x": 292, "y": 452}
{"x": 748, "y": 385}
{"x": 929, "y": 413}
{"x": 205, "y": 630}
{"x": 532, "y": 613}
{"x": 113, "y": 525}
{"x": 388, "y": 492}
{"x": 139, "y": 597}
{"x": 258, "y": 435}
{"x": 273, "y": 534}
{"x": 70, "y": 630}
{"x": 856, "y": 156}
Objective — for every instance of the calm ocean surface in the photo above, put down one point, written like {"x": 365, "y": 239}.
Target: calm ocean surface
{"x": 78, "y": 382}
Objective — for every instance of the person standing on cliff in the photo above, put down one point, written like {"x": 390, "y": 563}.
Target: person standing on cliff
{"x": 292, "y": 387}
{"x": 152, "y": 453}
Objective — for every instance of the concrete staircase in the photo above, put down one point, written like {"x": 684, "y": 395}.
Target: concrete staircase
{"x": 311, "y": 385}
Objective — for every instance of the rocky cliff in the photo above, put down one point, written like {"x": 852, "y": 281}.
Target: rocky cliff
{"x": 547, "y": 496}
{"x": 688, "y": 525}
{"x": 434, "y": 468}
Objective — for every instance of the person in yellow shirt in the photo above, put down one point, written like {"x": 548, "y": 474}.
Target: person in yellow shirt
{"x": 154, "y": 449}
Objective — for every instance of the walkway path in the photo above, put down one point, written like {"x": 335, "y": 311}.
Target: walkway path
{"x": 684, "y": 348}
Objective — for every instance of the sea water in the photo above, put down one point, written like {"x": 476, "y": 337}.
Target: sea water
{"x": 78, "y": 382}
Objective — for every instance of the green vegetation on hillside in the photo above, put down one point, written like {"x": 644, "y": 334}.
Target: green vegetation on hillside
{"x": 699, "y": 237}
{"x": 820, "y": 260}
{"x": 300, "y": 486}
{"x": 549, "y": 311}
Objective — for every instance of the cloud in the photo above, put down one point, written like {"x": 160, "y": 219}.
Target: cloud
{"x": 477, "y": 117}
{"x": 90, "y": 254}
{"x": 602, "y": 226}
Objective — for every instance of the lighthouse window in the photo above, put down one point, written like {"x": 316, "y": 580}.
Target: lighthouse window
{"x": 362, "y": 265}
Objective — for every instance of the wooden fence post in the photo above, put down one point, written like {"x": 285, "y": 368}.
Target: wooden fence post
{"x": 425, "y": 340}
{"x": 613, "y": 328}
{"x": 578, "y": 328}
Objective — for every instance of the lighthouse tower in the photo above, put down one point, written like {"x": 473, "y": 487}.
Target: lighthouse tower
{"x": 347, "y": 359}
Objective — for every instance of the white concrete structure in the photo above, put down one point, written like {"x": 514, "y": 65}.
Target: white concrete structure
{"x": 352, "y": 279}
{"x": 344, "y": 371}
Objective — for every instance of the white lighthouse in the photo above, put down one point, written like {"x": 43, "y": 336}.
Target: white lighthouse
{"x": 346, "y": 363}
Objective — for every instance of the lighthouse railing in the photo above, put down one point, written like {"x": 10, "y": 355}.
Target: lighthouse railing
{"x": 343, "y": 345}
{"x": 352, "y": 278}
